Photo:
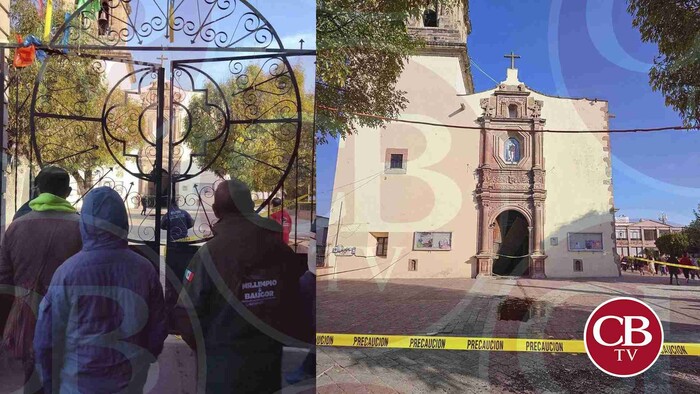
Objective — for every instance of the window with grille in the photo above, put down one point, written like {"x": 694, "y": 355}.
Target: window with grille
{"x": 621, "y": 234}
{"x": 413, "y": 265}
{"x": 396, "y": 161}
{"x": 635, "y": 234}
{"x": 382, "y": 243}
{"x": 578, "y": 265}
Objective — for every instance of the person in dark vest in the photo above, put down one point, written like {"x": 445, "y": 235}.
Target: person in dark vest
{"x": 177, "y": 221}
{"x": 243, "y": 288}
{"x": 34, "y": 246}
{"x": 307, "y": 284}
{"x": 102, "y": 322}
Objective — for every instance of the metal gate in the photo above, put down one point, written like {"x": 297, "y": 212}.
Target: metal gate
{"x": 168, "y": 133}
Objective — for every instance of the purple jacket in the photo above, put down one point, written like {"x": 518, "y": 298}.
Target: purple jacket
{"x": 102, "y": 322}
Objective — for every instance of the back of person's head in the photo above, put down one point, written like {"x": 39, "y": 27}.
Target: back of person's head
{"x": 103, "y": 219}
{"x": 54, "y": 180}
{"x": 276, "y": 202}
{"x": 232, "y": 197}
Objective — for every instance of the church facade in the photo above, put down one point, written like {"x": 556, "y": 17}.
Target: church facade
{"x": 508, "y": 181}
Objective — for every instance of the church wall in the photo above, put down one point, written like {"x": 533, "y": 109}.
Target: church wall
{"x": 434, "y": 194}
{"x": 578, "y": 182}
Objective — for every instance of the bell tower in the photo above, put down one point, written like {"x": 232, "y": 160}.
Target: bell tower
{"x": 444, "y": 30}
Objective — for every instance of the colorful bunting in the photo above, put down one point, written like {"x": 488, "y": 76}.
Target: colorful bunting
{"x": 92, "y": 10}
{"x": 171, "y": 21}
{"x": 66, "y": 33}
{"x": 24, "y": 56}
{"x": 40, "y": 6}
{"x": 48, "y": 14}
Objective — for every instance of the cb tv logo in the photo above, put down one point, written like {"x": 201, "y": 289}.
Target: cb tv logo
{"x": 623, "y": 337}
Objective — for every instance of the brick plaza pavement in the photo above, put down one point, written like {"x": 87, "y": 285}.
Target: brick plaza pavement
{"x": 467, "y": 307}
{"x": 174, "y": 373}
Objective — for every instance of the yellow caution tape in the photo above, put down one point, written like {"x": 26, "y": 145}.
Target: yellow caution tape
{"x": 690, "y": 267}
{"x": 479, "y": 344}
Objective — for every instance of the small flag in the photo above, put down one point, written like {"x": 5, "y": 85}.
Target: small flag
{"x": 171, "y": 21}
{"x": 48, "y": 14}
{"x": 189, "y": 275}
{"x": 91, "y": 10}
{"x": 66, "y": 33}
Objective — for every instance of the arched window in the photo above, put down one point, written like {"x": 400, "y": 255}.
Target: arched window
{"x": 513, "y": 111}
{"x": 430, "y": 18}
{"x": 430, "y": 15}
{"x": 103, "y": 19}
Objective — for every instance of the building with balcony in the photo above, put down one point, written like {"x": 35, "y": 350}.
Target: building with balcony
{"x": 633, "y": 236}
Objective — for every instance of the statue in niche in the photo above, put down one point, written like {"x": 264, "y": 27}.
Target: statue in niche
{"x": 512, "y": 151}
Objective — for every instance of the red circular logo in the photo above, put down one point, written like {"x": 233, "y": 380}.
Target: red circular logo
{"x": 623, "y": 337}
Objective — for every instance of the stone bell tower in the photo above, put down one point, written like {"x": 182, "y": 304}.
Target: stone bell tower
{"x": 444, "y": 29}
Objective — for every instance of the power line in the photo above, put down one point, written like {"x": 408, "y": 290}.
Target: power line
{"x": 351, "y": 183}
{"x": 353, "y": 190}
{"x": 480, "y": 69}
{"x": 635, "y": 130}
{"x": 369, "y": 267}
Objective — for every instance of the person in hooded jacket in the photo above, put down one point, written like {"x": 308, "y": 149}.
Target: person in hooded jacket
{"x": 243, "y": 288}
{"x": 34, "y": 246}
{"x": 101, "y": 323}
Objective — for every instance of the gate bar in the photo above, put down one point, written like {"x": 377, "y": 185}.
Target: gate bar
{"x": 158, "y": 167}
{"x": 3, "y": 113}
{"x": 297, "y": 52}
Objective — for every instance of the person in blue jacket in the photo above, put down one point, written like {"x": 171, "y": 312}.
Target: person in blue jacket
{"x": 102, "y": 321}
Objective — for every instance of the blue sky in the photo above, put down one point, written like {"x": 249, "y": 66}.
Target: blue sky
{"x": 292, "y": 20}
{"x": 585, "y": 49}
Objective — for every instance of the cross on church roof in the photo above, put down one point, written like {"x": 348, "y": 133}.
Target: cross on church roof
{"x": 512, "y": 57}
{"x": 162, "y": 58}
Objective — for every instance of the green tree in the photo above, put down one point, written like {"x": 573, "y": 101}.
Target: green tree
{"x": 71, "y": 86}
{"x": 673, "y": 244}
{"x": 693, "y": 232}
{"x": 256, "y": 152}
{"x": 362, "y": 49}
{"x": 674, "y": 25}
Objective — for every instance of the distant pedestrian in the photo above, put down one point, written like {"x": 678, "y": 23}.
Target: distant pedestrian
{"x": 685, "y": 260}
{"x": 282, "y": 217}
{"x": 33, "y": 248}
{"x": 694, "y": 273}
{"x": 673, "y": 271}
{"x": 177, "y": 221}
{"x": 243, "y": 287}
{"x": 144, "y": 205}
{"x": 101, "y": 323}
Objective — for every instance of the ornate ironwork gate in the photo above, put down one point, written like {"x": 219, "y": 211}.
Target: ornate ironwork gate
{"x": 169, "y": 132}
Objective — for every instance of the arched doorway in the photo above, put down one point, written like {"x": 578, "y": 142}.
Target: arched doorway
{"x": 511, "y": 244}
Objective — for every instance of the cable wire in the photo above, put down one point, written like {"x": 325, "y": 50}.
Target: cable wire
{"x": 635, "y": 130}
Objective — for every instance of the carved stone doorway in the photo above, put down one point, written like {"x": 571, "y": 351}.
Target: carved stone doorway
{"x": 511, "y": 244}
